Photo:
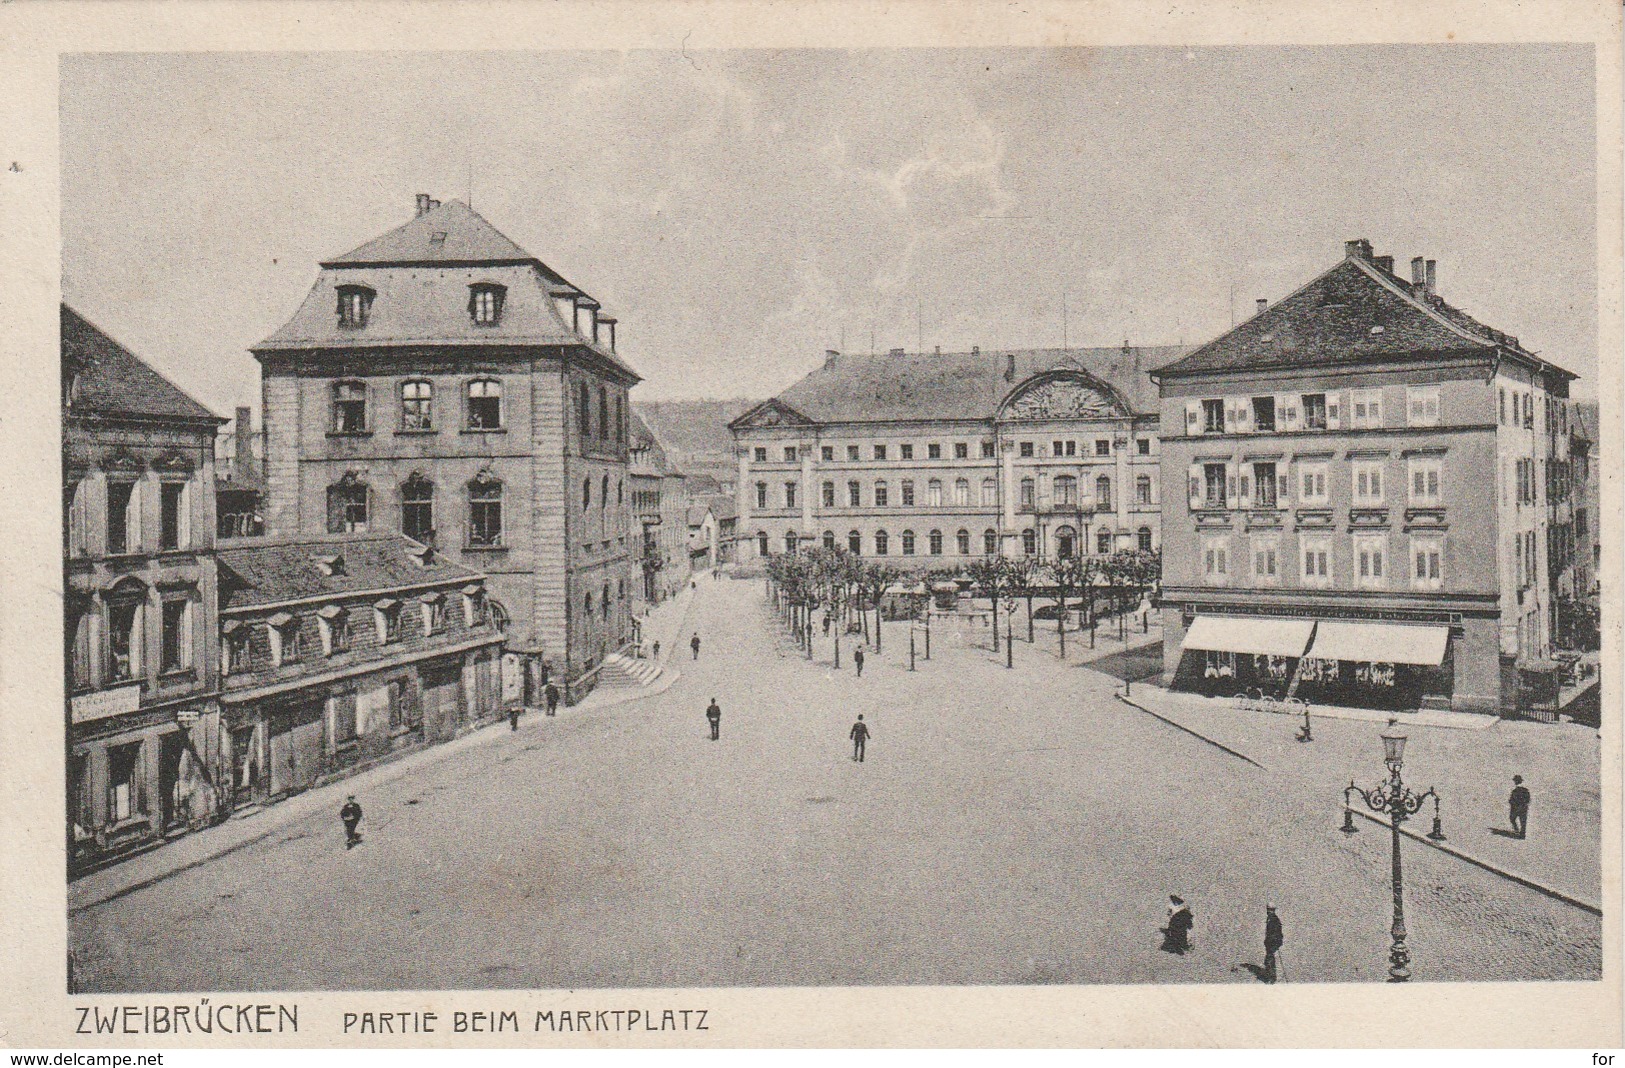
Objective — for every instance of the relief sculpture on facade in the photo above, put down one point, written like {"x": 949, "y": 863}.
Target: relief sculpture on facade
{"x": 1062, "y": 399}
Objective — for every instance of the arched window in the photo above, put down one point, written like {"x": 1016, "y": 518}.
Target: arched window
{"x": 962, "y": 542}
{"x": 485, "y": 404}
{"x": 603, "y": 413}
{"x": 485, "y": 303}
{"x": 355, "y": 305}
{"x": 603, "y": 602}
{"x": 990, "y": 492}
{"x": 1029, "y": 541}
{"x": 126, "y": 633}
{"x": 882, "y": 497}
{"x": 789, "y": 541}
{"x": 934, "y": 540}
{"x": 417, "y": 508}
{"x": 1026, "y": 498}
{"x": 347, "y": 511}
{"x": 586, "y": 493}
{"x": 620, "y": 492}
{"x": 620, "y": 420}
{"x": 603, "y": 493}
{"x": 1103, "y": 494}
{"x": 584, "y": 403}
{"x": 1142, "y": 489}
{"x": 349, "y": 407}
{"x": 854, "y": 543}
{"x": 485, "y": 510}
{"x": 908, "y": 543}
{"x": 990, "y": 542}
{"x": 961, "y": 491}
{"x": 1065, "y": 541}
{"x": 1145, "y": 539}
{"x": 829, "y": 539}
{"x": 882, "y": 542}
{"x": 586, "y": 604}
{"x": 417, "y": 398}
{"x": 1066, "y": 490}
{"x": 1103, "y": 541}
{"x": 761, "y": 543}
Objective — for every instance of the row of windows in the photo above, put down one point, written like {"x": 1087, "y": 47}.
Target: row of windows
{"x": 350, "y": 509}
{"x": 485, "y": 301}
{"x": 118, "y": 635}
{"x": 1517, "y": 408}
{"x": 1266, "y": 484}
{"x": 1362, "y": 409}
{"x": 1266, "y": 562}
{"x": 288, "y": 638}
{"x": 611, "y": 423}
{"x": 1102, "y": 447}
{"x": 482, "y": 406}
{"x": 123, "y": 530}
{"x": 1066, "y": 542}
{"x": 603, "y": 601}
{"x": 1065, "y": 492}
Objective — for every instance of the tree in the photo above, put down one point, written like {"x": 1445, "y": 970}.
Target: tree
{"x": 877, "y": 579}
{"x": 1069, "y": 574}
{"x": 1020, "y": 577}
{"x": 988, "y": 575}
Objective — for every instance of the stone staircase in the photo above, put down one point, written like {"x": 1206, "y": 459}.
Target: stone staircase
{"x": 621, "y": 672}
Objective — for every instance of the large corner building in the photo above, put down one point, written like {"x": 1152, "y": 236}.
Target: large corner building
{"x": 443, "y": 382}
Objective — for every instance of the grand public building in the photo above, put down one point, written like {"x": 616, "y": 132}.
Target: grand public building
{"x": 442, "y": 382}
{"x": 933, "y": 458}
{"x": 1367, "y": 499}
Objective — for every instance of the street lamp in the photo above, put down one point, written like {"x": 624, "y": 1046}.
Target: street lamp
{"x": 1394, "y": 798}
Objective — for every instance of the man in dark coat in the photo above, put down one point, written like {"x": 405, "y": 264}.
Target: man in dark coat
{"x": 513, "y": 718}
{"x": 714, "y": 713}
{"x": 1176, "y": 937}
{"x": 1518, "y": 807}
{"x": 694, "y": 644}
{"x": 351, "y": 815}
{"x": 859, "y": 735}
{"x": 857, "y": 658}
{"x": 552, "y": 699}
{"x": 1273, "y": 938}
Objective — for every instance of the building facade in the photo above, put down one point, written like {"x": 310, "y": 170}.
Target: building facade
{"x": 442, "y": 382}
{"x": 1358, "y": 508}
{"x": 712, "y": 532}
{"x": 144, "y": 748}
{"x": 932, "y": 459}
{"x": 341, "y": 649}
{"x": 659, "y": 536}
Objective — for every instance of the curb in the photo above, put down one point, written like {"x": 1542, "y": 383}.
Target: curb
{"x": 1521, "y": 880}
{"x": 1187, "y": 730}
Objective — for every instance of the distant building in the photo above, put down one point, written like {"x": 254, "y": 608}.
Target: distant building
{"x": 342, "y": 648}
{"x": 240, "y": 482}
{"x": 442, "y": 382}
{"x": 712, "y": 532}
{"x": 935, "y": 458}
{"x": 1580, "y": 629}
{"x": 697, "y": 440}
{"x": 145, "y": 751}
{"x": 1359, "y": 499}
{"x": 659, "y": 534}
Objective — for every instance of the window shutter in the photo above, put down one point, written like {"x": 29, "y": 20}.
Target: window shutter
{"x": 1283, "y": 488}
{"x": 132, "y": 534}
{"x": 184, "y": 523}
{"x": 1244, "y": 415}
{"x": 1232, "y": 496}
{"x": 186, "y": 634}
{"x": 1196, "y": 487}
{"x": 1193, "y": 417}
{"x": 1334, "y": 413}
{"x": 1230, "y": 418}
{"x": 1283, "y": 412}
{"x": 1246, "y": 490}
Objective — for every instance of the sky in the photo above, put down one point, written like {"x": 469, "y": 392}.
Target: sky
{"x": 742, "y": 211}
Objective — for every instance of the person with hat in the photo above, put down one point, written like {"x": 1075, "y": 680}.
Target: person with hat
{"x": 1273, "y": 938}
{"x": 1518, "y": 807}
{"x": 1176, "y": 937}
{"x": 350, "y": 814}
{"x": 860, "y": 737}
{"x": 713, "y": 713}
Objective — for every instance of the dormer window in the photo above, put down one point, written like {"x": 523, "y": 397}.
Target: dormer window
{"x": 485, "y": 303}
{"x": 333, "y": 622}
{"x": 434, "y": 613}
{"x": 355, "y": 304}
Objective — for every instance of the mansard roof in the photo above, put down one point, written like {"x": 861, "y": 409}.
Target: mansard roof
{"x": 452, "y": 233}
{"x": 263, "y": 572}
{"x": 115, "y": 382}
{"x": 957, "y": 386}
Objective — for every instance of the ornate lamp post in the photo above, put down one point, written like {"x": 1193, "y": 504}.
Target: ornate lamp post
{"x": 1394, "y": 798}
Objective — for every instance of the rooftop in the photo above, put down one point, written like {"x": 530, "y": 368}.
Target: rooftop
{"x": 262, "y": 572}
{"x": 115, "y": 382}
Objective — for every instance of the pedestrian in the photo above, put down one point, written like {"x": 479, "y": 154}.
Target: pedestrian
{"x": 1518, "y": 807}
{"x": 552, "y": 699}
{"x": 694, "y": 644}
{"x": 713, "y": 713}
{"x": 857, "y": 658}
{"x": 1176, "y": 937}
{"x": 693, "y": 585}
{"x": 826, "y": 626}
{"x": 513, "y": 718}
{"x": 351, "y": 815}
{"x": 1273, "y": 937}
{"x": 657, "y": 651}
{"x": 859, "y": 735}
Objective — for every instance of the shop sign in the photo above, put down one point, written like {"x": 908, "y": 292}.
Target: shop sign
{"x": 104, "y": 703}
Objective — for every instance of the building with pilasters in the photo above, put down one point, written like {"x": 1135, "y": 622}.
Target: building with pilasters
{"x": 932, "y": 459}
{"x": 444, "y": 383}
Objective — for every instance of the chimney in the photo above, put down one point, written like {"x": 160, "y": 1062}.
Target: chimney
{"x": 423, "y": 203}
{"x": 894, "y": 352}
{"x": 433, "y": 204}
{"x": 1385, "y": 263}
{"x": 939, "y": 350}
{"x": 1433, "y": 278}
{"x": 1125, "y": 347}
{"x": 1263, "y": 305}
{"x": 1359, "y": 249}
{"x": 1418, "y": 277}
{"x": 243, "y": 443}
{"x": 606, "y": 331}
{"x": 830, "y": 356}
{"x": 1010, "y": 367}
{"x": 976, "y": 350}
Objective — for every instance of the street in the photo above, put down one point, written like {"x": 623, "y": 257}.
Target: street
{"x": 1007, "y": 827}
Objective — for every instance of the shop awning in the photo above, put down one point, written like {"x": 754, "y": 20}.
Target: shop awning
{"x": 1386, "y": 643}
{"x": 1246, "y": 634}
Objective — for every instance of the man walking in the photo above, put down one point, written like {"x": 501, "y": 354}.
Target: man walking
{"x": 1273, "y": 937}
{"x": 694, "y": 645}
{"x": 513, "y": 718}
{"x": 714, "y": 714}
{"x": 351, "y": 815}
{"x": 1518, "y": 807}
{"x": 1176, "y": 937}
{"x": 552, "y": 699}
{"x": 857, "y": 658}
{"x": 826, "y": 625}
{"x": 859, "y": 735}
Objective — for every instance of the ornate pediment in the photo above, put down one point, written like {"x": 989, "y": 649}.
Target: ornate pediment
{"x": 768, "y": 414}
{"x": 1068, "y": 397}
